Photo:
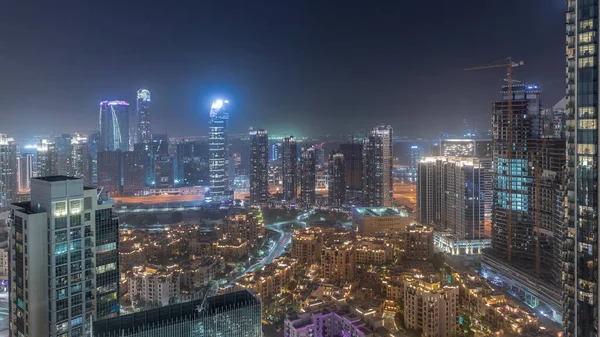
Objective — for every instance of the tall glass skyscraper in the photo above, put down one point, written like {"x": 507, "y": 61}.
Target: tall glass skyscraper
{"x": 8, "y": 170}
{"x": 219, "y": 150}
{"x": 259, "y": 166}
{"x": 378, "y": 162}
{"x": 290, "y": 168}
{"x": 580, "y": 267}
{"x": 308, "y": 162}
{"x": 235, "y": 314}
{"x": 114, "y": 125}
{"x": 144, "y": 131}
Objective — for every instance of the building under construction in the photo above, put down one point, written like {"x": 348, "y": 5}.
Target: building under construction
{"x": 528, "y": 207}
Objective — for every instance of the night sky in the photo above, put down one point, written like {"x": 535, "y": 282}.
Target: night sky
{"x": 304, "y": 67}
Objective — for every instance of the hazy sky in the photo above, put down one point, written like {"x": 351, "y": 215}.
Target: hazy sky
{"x": 303, "y": 67}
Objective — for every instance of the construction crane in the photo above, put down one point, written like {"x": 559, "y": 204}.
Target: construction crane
{"x": 509, "y": 64}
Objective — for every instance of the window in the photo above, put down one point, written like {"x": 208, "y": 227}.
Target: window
{"x": 586, "y": 62}
{"x": 105, "y": 268}
{"x": 75, "y": 220}
{"x": 75, "y": 267}
{"x": 75, "y": 206}
{"x": 587, "y": 112}
{"x": 586, "y": 24}
{"x": 588, "y": 124}
{"x": 87, "y": 203}
{"x": 62, "y": 326}
{"x": 77, "y": 321}
{"x": 588, "y": 49}
{"x": 61, "y": 259}
{"x": 61, "y": 293}
{"x": 60, "y": 236}
{"x": 75, "y": 245}
{"x": 87, "y": 216}
{"x": 60, "y": 223}
{"x": 62, "y": 315}
{"x": 76, "y": 288}
{"x": 586, "y": 37}
{"x": 60, "y": 248}
{"x": 106, "y": 247}
{"x": 60, "y": 208}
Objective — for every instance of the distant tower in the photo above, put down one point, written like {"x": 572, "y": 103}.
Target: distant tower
{"x": 47, "y": 159}
{"x": 81, "y": 161}
{"x": 8, "y": 170}
{"x": 26, "y": 165}
{"x": 308, "y": 175}
{"x": 219, "y": 150}
{"x": 290, "y": 168}
{"x": 63, "y": 145}
{"x": 415, "y": 157}
{"x": 259, "y": 166}
{"x": 378, "y": 186}
{"x": 144, "y": 131}
{"x": 114, "y": 125}
{"x": 353, "y": 167}
{"x": 337, "y": 182}
{"x": 94, "y": 145}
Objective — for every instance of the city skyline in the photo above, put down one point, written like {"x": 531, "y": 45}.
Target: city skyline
{"x": 277, "y": 90}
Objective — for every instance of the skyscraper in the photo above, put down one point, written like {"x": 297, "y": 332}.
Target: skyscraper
{"x": 378, "y": 163}
{"x": 308, "y": 163}
{"x": 135, "y": 165}
{"x": 114, "y": 125}
{"x": 94, "y": 145}
{"x": 415, "y": 157}
{"x": 110, "y": 166}
{"x": 581, "y": 273}
{"x": 25, "y": 167}
{"x": 144, "y": 131}
{"x": 337, "y": 182}
{"x": 259, "y": 166}
{"x": 8, "y": 170}
{"x": 219, "y": 150}
{"x": 47, "y": 159}
{"x": 80, "y": 162}
{"x": 290, "y": 168}
{"x": 64, "y": 260}
{"x": 63, "y": 146}
{"x": 353, "y": 167}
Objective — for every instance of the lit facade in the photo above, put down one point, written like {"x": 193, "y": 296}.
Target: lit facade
{"x": 580, "y": 267}
{"x": 8, "y": 171}
{"x": 110, "y": 165}
{"x": 47, "y": 159}
{"x": 219, "y": 150}
{"x": 308, "y": 176}
{"x": 144, "y": 130}
{"x": 114, "y": 125}
{"x": 338, "y": 262}
{"x": 290, "y": 168}
{"x": 337, "y": 180}
{"x": 64, "y": 260}
{"x": 306, "y": 247}
{"x": 431, "y": 308}
{"x": 81, "y": 161}
{"x": 380, "y": 220}
{"x": 259, "y": 166}
{"x": 378, "y": 187}
{"x": 135, "y": 170}
{"x": 236, "y": 314}
{"x": 480, "y": 148}
{"x": 153, "y": 287}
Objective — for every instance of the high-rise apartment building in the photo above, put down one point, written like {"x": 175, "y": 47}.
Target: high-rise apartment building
{"x": 47, "y": 159}
{"x": 135, "y": 166}
{"x": 235, "y": 314}
{"x": 378, "y": 162}
{"x": 353, "y": 170}
{"x": 415, "y": 157}
{"x": 308, "y": 175}
{"x": 453, "y": 195}
{"x": 110, "y": 166}
{"x": 114, "y": 125}
{"x": 290, "y": 168}
{"x": 259, "y": 166}
{"x": 94, "y": 145}
{"x": 80, "y": 160}
{"x": 144, "y": 131}
{"x": 64, "y": 261}
{"x": 580, "y": 268}
{"x": 337, "y": 180}
{"x": 63, "y": 145}
{"x": 25, "y": 170}
{"x": 219, "y": 150}
{"x": 8, "y": 170}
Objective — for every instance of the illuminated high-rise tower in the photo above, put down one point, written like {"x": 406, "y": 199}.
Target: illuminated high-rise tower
{"x": 378, "y": 184}
{"x": 337, "y": 181}
{"x": 144, "y": 131}
{"x": 8, "y": 170}
{"x": 114, "y": 125}
{"x": 259, "y": 166}
{"x": 218, "y": 140}
{"x": 580, "y": 259}
{"x": 290, "y": 168}
{"x": 308, "y": 162}
{"x": 47, "y": 159}
{"x": 80, "y": 161}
